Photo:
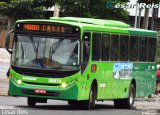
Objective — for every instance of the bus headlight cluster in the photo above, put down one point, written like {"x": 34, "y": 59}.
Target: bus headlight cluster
{"x": 19, "y": 82}
{"x": 66, "y": 84}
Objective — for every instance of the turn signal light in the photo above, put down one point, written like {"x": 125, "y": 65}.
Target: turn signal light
{"x": 10, "y": 75}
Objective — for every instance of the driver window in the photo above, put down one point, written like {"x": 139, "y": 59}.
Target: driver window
{"x": 86, "y": 47}
{"x": 85, "y": 50}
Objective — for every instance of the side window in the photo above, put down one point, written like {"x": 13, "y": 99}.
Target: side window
{"x": 143, "y": 49}
{"x": 105, "y": 47}
{"x": 96, "y": 37}
{"x": 114, "y": 47}
{"x": 152, "y": 49}
{"x": 124, "y": 42}
{"x": 133, "y": 48}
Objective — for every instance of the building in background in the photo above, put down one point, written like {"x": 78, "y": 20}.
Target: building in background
{"x": 3, "y": 30}
{"x": 3, "y": 20}
{"x": 154, "y": 17}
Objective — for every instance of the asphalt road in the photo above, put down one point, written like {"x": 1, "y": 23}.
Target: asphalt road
{"x": 18, "y": 105}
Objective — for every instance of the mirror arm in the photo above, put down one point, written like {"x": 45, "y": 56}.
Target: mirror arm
{"x": 7, "y": 41}
{"x": 9, "y": 51}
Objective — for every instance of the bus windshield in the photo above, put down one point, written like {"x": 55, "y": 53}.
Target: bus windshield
{"x": 40, "y": 52}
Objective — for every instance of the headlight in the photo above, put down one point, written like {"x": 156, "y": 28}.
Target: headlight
{"x": 70, "y": 83}
{"x": 64, "y": 85}
{"x": 19, "y": 82}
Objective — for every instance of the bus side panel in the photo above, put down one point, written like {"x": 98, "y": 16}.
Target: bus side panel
{"x": 111, "y": 85}
{"x": 144, "y": 73}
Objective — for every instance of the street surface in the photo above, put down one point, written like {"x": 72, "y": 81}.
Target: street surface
{"x": 61, "y": 108}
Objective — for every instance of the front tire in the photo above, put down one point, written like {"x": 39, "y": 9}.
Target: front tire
{"x": 90, "y": 104}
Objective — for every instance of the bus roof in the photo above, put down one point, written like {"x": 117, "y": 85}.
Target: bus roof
{"x": 91, "y": 24}
{"x": 107, "y": 23}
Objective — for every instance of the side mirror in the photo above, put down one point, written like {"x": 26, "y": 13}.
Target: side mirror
{"x": 9, "y": 41}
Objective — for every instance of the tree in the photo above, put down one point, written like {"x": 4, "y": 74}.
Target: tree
{"x": 22, "y": 9}
{"x": 92, "y": 8}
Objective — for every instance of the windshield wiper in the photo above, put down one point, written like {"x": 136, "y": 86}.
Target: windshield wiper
{"x": 54, "y": 48}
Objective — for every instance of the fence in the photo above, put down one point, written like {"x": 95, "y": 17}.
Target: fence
{"x": 3, "y": 32}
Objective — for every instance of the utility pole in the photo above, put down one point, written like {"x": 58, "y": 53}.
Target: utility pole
{"x": 56, "y": 10}
{"x": 139, "y": 18}
{"x": 154, "y": 18}
{"x": 146, "y": 18}
{"x": 136, "y": 14}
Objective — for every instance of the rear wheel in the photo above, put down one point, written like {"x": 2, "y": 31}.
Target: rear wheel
{"x": 31, "y": 101}
{"x": 128, "y": 102}
{"x": 130, "y": 99}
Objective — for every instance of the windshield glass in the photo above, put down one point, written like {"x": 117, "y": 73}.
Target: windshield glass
{"x": 46, "y": 52}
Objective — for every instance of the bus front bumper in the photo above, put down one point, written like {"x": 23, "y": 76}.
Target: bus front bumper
{"x": 68, "y": 93}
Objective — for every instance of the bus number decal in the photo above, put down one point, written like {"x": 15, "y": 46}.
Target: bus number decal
{"x": 58, "y": 81}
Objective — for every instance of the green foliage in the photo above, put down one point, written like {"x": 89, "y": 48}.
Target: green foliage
{"x": 149, "y": 1}
{"x": 92, "y": 8}
{"x": 20, "y": 9}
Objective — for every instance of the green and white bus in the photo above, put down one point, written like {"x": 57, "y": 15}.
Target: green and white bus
{"x": 81, "y": 60}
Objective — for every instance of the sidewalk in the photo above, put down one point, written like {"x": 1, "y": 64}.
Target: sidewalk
{"x": 4, "y": 87}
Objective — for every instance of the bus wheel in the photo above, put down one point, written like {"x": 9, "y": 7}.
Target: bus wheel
{"x": 31, "y": 101}
{"x": 128, "y": 102}
{"x": 89, "y": 104}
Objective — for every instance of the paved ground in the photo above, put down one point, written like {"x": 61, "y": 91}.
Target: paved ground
{"x": 54, "y": 107}
{"x": 3, "y": 78}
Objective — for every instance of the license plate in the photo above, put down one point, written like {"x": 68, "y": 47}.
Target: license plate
{"x": 40, "y": 91}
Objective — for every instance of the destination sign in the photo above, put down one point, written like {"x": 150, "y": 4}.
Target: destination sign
{"x": 47, "y": 28}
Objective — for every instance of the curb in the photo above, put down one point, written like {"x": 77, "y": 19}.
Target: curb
{"x": 4, "y": 92}
{"x": 148, "y": 99}
{"x": 3, "y": 89}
